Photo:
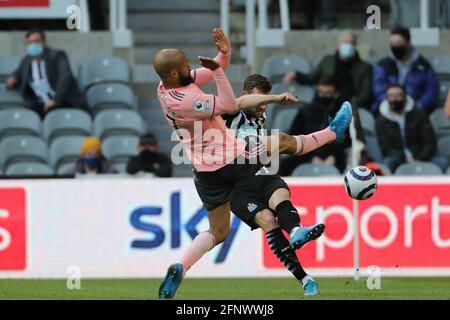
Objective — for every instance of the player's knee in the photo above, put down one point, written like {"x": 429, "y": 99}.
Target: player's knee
{"x": 220, "y": 233}
{"x": 266, "y": 220}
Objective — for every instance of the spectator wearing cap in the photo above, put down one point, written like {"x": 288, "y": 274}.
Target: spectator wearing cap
{"x": 91, "y": 159}
{"x": 149, "y": 159}
{"x": 404, "y": 131}
{"x": 352, "y": 73}
{"x": 44, "y": 77}
{"x": 405, "y": 66}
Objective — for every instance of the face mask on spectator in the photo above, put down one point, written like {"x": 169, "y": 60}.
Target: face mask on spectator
{"x": 399, "y": 51}
{"x": 347, "y": 50}
{"x": 396, "y": 105}
{"x": 92, "y": 162}
{"x": 325, "y": 101}
{"x": 35, "y": 49}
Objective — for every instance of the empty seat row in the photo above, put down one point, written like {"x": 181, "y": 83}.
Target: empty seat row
{"x": 62, "y": 153}
{"x": 406, "y": 169}
{"x": 98, "y": 69}
{"x": 99, "y": 97}
{"x": 61, "y": 122}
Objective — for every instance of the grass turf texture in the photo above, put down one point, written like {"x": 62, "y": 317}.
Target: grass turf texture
{"x": 233, "y": 289}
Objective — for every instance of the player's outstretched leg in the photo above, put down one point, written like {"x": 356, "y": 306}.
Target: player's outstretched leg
{"x": 289, "y": 219}
{"x": 281, "y": 248}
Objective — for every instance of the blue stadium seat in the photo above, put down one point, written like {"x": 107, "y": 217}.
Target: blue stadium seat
{"x": 440, "y": 123}
{"x": 283, "y": 117}
{"x": 276, "y": 66}
{"x": 7, "y": 66}
{"x": 118, "y": 122}
{"x": 32, "y": 169}
{"x": 19, "y": 121}
{"x": 65, "y": 150}
{"x": 10, "y": 98}
{"x": 66, "y": 122}
{"x": 418, "y": 169}
{"x": 119, "y": 149}
{"x": 22, "y": 149}
{"x": 102, "y": 69}
{"x": 315, "y": 170}
{"x": 111, "y": 96}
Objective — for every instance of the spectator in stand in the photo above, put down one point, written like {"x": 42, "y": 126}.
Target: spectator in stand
{"x": 315, "y": 117}
{"x": 92, "y": 159}
{"x": 447, "y": 105}
{"x": 353, "y": 74}
{"x": 328, "y": 14}
{"x": 404, "y": 131}
{"x": 405, "y": 66}
{"x": 149, "y": 159}
{"x": 44, "y": 77}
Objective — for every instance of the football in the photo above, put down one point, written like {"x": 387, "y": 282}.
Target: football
{"x": 360, "y": 183}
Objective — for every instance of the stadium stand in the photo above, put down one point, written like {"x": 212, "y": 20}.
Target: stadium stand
{"x": 19, "y": 121}
{"x": 32, "y": 169}
{"x": 118, "y": 122}
{"x": 315, "y": 170}
{"x": 276, "y": 66}
{"x": 10, "y": 99}
{"x": 119, "y": 148}
{"x": 444, "y": 146}
{"x": 7, "y": 66}
{"x": 110, "y": 96}
{"x": 66, "y": 122}
{"x": 440, "y": 123}
{"x": 104, "y": 69}
{"x": 64, "y": 151}
{"x": 418, "y": 169}
{"x": 282, "y": 119}
{"x": 21, "y": 148}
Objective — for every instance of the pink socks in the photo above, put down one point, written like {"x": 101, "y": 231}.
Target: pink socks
{"x": 313, "y": 141}
{"x": 202, "y": 243}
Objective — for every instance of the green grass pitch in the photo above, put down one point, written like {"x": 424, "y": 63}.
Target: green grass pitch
{"x": 234, "y": 289}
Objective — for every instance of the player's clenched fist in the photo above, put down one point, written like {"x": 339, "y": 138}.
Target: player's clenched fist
{"x": 286, "y": 98}
{"x": 221, "y": 40}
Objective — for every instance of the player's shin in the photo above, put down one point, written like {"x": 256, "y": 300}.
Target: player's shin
{"x": 201, "y": 244}
{"x": 287, "y": 215}
{"x": 282, "y": 250}
{"x": 313, "y": 141}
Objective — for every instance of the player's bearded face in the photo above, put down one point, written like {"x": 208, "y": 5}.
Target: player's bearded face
{"x": 185, "y": 79}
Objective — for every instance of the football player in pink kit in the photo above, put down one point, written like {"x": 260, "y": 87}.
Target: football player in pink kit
{"x": 218, "y": 157}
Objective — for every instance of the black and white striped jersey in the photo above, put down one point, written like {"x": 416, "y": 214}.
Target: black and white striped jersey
{"x": 244, "y": 125}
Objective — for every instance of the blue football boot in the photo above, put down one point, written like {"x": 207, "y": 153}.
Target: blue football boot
{"x": 303, "y": 235}
{"x": 171, "y": 281}
{"x": 310, "y": 286}
{"x": 341, "y": 121}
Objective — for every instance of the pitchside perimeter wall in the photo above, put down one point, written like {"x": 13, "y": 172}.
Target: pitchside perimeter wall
{"x": 134, "y": 227}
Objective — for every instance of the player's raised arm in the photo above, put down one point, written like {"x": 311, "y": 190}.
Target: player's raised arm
{"x": 204, "y": 75}
{"x": 255, "y": 100}
{"x": 201, "y": 105}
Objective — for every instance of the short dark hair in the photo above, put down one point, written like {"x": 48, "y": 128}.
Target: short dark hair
{"x": 403, "y": 32}
{"x": 257, "y": 81}
{"x": 396, "y": 85}
{"x": 33, "y": 31}
{"x": 329, "y": 80}
{"x": 148, "y": 138}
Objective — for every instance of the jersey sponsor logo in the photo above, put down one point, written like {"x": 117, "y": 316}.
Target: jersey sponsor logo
{"x": 251, "y": 207}
{"x": 199, "y": 106}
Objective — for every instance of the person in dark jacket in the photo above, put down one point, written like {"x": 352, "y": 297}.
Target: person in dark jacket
{"x": 405, "y": 66}
{"x": 149, "y": 159}
{"x": 91, "y": 159}
{"x": 314, "y": 117}
{"x": 44, "y": 77}
{"x": 353, "y": 74}
{"x": 404, "y": 131}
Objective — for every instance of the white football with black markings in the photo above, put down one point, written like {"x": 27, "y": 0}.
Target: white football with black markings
{"x": 360, "y": 183}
